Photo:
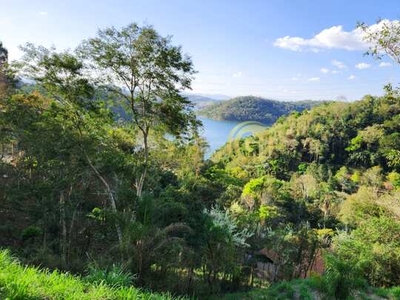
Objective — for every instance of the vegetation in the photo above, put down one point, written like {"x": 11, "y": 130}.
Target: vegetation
{"x": 250, "y": 108}
{"x": 336, "y": 168}
{"x": 103, "y": 176}
{"x": 311, "y": 288}
{"x": 383, "y": 38}
{"x": 3, "y": 54}
{"x": 18, "y": 282}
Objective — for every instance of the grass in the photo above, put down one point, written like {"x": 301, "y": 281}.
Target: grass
{"x": 30, "y": 283}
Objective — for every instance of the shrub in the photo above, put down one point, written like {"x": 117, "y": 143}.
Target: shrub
{"x": 115, "y": 277}
{"x": 30, "y": 232}
{"x": 341, "y": 278}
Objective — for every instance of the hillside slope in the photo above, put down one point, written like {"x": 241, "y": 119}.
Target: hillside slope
{"x": 362, "y": 134}
{"x": 250, "y": 108}
{"x": 330, "y": 169}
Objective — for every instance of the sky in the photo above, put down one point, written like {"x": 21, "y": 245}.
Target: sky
{"x": 278, "y": 49}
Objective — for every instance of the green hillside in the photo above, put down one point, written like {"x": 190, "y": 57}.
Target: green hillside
{"x": 250, "y": 108}
{"x": 332, "y": 174}
{"x": 361, "y": 134}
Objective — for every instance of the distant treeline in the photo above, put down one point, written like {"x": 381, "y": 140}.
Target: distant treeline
{"x": 255, "y": 109}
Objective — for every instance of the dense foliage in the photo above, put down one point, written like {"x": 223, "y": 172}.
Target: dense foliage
{"x": 335, "y": 167}
{"x": 254, "y": 108}
{"x": 102, "y": 174}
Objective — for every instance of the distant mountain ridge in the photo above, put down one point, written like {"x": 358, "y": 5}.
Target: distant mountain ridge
{"x": 251, "y": 108}
{"x": 209, "y": 96}
{"x": 200, "y": 102}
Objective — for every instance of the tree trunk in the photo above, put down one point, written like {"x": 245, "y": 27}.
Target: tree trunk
{"x": 71, "y": 227}
{"x": 190, "y": 280}
{"x": 142, "y": 177}
{"x": 139, "y": 245}
{"x": 110, "y": 194}
{"x": 251, "y": 277}
{"x": 63, "y": 221}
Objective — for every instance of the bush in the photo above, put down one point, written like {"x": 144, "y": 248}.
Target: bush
{"x": 373, "y": 248}
{"x": 115, "y": 277}
{"x": 30, "y": 232}
{"x": 395, "y": 292}
{"x": 341, "y": 278}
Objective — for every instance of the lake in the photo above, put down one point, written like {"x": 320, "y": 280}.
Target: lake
{"x": 216, "y": 133}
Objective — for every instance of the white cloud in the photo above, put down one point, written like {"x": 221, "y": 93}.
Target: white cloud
{"x": 331, "y": 38}
{"x": 362, "y": 66}
{"x": 237, "y": 74}
{"x": 313, "y": 79}
{"x": 335, "y": 72}
{"x": 324, "y": 70}
{"x": 351, "y": 77}
{"x": 385, "y": 64}
{"x": 338, "y": 64}
{"x": 43, "y": 13}
{"x": 334, "y": 37}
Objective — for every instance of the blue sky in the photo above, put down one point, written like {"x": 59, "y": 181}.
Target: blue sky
{"x": 281, "y": 49}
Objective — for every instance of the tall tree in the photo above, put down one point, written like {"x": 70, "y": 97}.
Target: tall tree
{"x": 62, "y": 77}
{"x": 148, "y": 73}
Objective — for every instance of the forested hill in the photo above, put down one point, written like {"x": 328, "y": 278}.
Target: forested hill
{"x": 336, "y": 166}
{"x": 362, "y": 134}
{"x": 254, "y": 108}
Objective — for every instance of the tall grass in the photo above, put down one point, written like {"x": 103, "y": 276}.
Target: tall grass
{"x": 29, "y": 283}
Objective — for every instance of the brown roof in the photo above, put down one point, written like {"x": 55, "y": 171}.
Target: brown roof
{"x": 318, "y": 266}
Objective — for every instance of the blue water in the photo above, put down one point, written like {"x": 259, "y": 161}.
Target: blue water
{"x": 216, "y": 133}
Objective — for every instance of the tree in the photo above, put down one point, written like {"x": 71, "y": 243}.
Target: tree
{"x": 62, "y": 77}
{"x": 223, "y": 241}
{"x": 3, "y": 54}
{"x": 148, "y": 73}
{"x": 47, "y": 140}
{"x": 383, "y": 37}
{"x": 373, "y": 248}
{"x": 3, "y": 70}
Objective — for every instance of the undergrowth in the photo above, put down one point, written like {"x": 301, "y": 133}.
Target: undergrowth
{"x": 18, "y": 282}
